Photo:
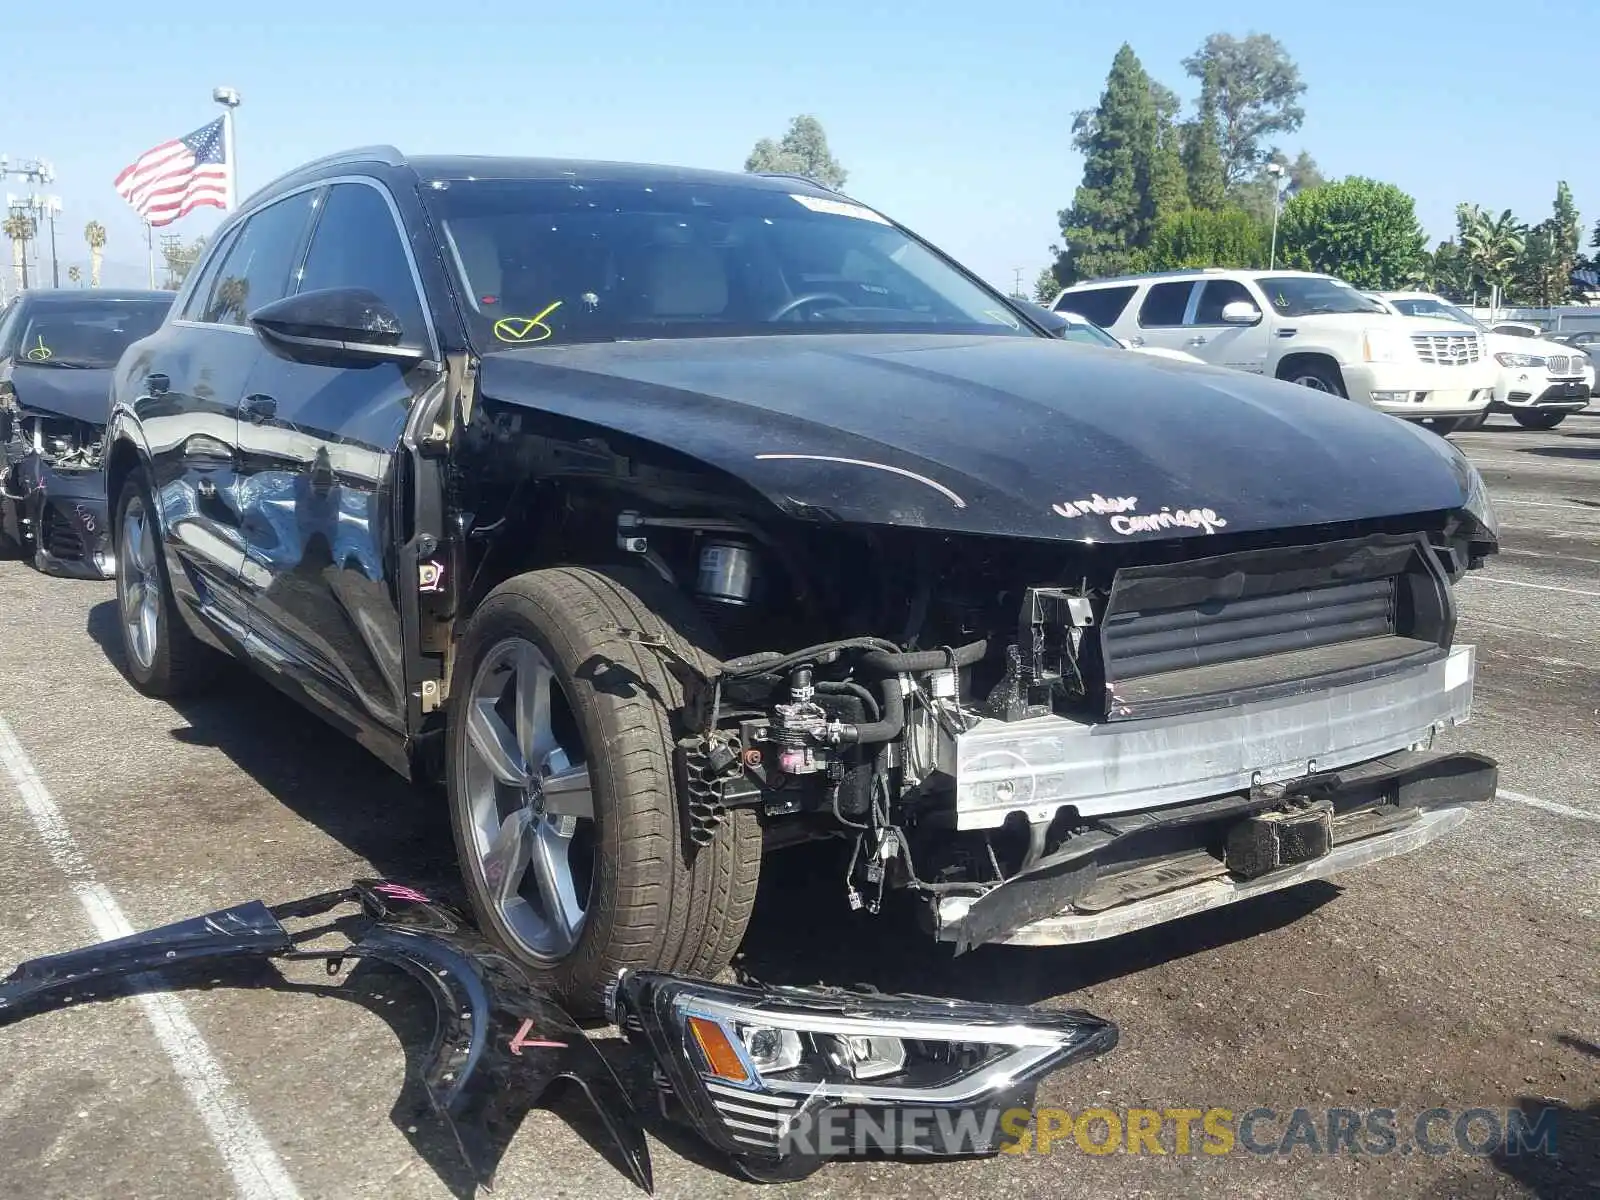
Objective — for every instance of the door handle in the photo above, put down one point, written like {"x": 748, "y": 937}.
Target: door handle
{"x": 1197, "y": 341}
{"x": 258, "y": 408}
{"x": 157, "y": 384}
{"x": 1136, "y": 341}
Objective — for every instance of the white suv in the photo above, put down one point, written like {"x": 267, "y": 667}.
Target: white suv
{"x": 1540, "y": 381}
{"x": 1309, "y": 329}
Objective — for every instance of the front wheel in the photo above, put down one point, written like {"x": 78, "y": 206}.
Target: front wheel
{"x": 1445, "y": 426}
{"x": 163, "y": 657}
{"x": 1539, "y": 420}
{"x": 1319, "y": 377}
{"x": 562, "y": 793}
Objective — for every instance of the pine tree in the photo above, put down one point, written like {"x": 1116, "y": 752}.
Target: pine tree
{"x": 1132, "y": 176}
{"x": 1202, "y": 151}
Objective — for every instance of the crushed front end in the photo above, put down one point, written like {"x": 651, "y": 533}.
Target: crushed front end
{"x": 52, "y": 495}
{"x": 1085, "y": 740}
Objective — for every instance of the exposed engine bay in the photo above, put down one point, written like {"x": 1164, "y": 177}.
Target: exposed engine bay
{"x": 1011, "y": 728}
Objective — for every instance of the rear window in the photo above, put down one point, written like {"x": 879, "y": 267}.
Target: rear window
{"x": 90, "y": 333}
{"x": 1101, "y": 305}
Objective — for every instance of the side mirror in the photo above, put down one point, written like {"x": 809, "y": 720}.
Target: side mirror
{"x": 1240, "y": 312}
{"x": 334, "y": 327}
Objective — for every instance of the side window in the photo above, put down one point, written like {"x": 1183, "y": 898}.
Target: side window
{"x": 1217, "y": 295}
{"x": 1165, "y": 304}
{"x": 357, "y": 244}
{"x": 256, "y": 268}
{"x": 10, "y": 322}
{"x": 202, "y": 276}
{"x": 1101, "y": 305}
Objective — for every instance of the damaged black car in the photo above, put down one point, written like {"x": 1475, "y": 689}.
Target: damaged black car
{"x": 675, "y": 518}
{"x": 57, "y": 350}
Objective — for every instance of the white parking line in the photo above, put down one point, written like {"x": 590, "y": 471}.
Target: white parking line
{"x": 1541, "y": 504}
{"x": 1561, "y": 810}
{"x": 258, "y": 1173}
{"x": 1538, "y": 587}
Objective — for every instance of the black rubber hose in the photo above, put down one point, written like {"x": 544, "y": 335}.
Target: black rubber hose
{"x": 886, "y": 730}
{"x": 830, "y": 687}
{"x": 924, "y": 660}
{"x": 765, "y": 661}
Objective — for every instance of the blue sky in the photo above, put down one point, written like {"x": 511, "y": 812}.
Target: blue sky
{"x": 953, "y": 117}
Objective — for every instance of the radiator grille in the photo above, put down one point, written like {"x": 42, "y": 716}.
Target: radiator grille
{"x": 1147, "y": 643}
{"x": 1561, "y": 364}
{"x": 61, "y": 537}
{"x": 1447, "y": 349}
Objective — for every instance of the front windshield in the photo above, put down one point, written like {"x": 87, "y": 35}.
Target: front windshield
{"x": 554, "y": 263}
{"x": 1442, "y": 309}
{"x": 90, "y": 333}
{"x": 1313, "y": 295}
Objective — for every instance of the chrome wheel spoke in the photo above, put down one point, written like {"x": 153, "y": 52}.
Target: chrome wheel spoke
{"x": 505, "y": 863}
{"x": 535, "y": 738}
{"x": 556, "y": 892}
{"x": 495, "y": 743}
{"x": 567, "y": 791}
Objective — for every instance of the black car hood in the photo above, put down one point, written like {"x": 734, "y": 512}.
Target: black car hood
{"x": 996, "y": 435}
{"x": 83, "y": 393}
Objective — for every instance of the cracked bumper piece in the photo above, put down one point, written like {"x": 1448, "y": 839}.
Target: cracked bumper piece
{"x": 1038, "y": 766}
{"x": 498, "y": 1041}
{"x": 784, "y": 1078}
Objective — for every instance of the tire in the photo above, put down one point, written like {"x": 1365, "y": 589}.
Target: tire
{"x": 1476, "y": 421}
{"x": 1539, "y": 420}
{"x": 164, "y": 659}
{"x": 611, "y": 709}
{"x": 1445, "y": 426}
{"x": 1319, "y": 377}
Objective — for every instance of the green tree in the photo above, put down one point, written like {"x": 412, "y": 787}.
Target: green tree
{"x": 1363, "y": 231}
{"x": 1228, "y": 237}
{"x": 1257, "y": 89}
{"x": 1303, "y": 174}
{"x": 1202, "y": 150}
{"x": 180, "y": 260}
{"x": 1045, "y": 286}
{"x": 1132, "y": 175}
{"x": 801, "y": 151}
{"x": 75, "y": 274}
{"x": 1448, "y": 273}
{"x": 1550, "y": 254}
{"x": 1491, "y": 246}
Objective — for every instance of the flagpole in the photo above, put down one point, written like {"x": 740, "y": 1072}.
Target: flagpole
{"x": 150, "y": 253}
{"x": 229, "y": 99}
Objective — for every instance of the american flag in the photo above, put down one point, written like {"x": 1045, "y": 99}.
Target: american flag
{"x": 179, "y": 176}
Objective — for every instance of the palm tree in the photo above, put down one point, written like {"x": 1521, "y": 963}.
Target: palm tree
{"x": 95, "y": 234}
{"x": 74, "y": 273}
{"x": 1491, "y": 245}
{"x": 19, "y": 228}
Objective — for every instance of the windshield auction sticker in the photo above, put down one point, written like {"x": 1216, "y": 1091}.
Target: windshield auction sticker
{"x": 839, "y": 208}
{"x": 523, "y": 331}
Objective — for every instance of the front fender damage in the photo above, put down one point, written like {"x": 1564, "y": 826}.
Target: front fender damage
{"x": 719, "y": 1053}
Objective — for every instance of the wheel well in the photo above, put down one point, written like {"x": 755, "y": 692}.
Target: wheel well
{"x": 121, "y": 463}
{"x": 1293, "y": 362}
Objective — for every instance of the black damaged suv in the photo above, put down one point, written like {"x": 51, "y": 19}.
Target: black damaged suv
{"x": 674, "y": 517}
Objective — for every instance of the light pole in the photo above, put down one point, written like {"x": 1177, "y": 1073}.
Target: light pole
{"x": 1276, "y": 171}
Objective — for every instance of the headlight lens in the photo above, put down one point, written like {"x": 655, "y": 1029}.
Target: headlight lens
{"x": 1384, "y": 346}
{"x": 1508, "y": 359}
{"x": 757, "y": 1070}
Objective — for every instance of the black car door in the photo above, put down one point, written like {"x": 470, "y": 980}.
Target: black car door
{"x": 318, "y": 464}
{"x": 187, "y": 381}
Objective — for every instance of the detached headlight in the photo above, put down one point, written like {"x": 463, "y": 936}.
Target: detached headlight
{"x": 1508, "y": 359}
{"x": 1384, "y": 346}
{"x": 785, "y": 1078}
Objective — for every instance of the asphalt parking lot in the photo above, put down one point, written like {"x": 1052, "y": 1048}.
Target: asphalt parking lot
{"x": 1465, "y": 976}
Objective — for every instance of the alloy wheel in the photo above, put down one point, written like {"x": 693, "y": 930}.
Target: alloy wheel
{"x": 530, "y": 806}
{"x": 138, "y": 585}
